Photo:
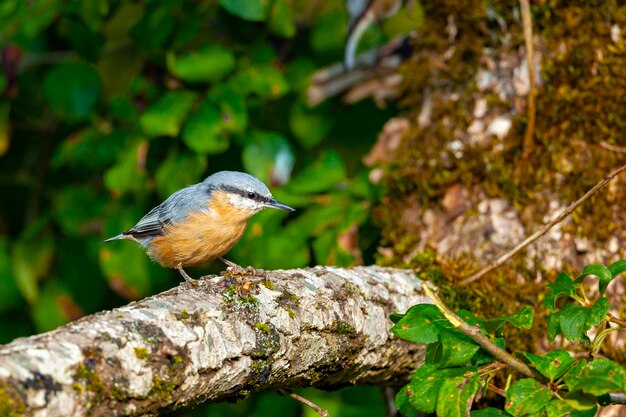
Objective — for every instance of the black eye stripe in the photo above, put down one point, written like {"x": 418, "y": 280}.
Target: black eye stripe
{"x": 245, "y": 194}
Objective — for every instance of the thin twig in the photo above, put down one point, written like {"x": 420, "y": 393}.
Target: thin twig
{"x": 544, "y": 229}
{"x": 616, "y": 320}
{"x": 313, "y": 406}
{"x": 528, "y": 143}
{"x": 497, "y": 390}
{"x": 476, "y": 335}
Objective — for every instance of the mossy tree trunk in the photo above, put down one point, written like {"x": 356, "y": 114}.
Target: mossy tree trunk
{"x": 210, "y": 341}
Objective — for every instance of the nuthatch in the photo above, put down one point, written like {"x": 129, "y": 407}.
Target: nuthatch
{"x": 363, "y": 13}
{"x": 202, "y": 221}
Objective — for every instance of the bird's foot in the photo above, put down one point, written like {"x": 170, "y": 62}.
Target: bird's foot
{"x": 234, "y": 270}
{"x": 185, "y": 275}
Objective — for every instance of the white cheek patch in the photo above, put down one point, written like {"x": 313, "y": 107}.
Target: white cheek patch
{"x": 243, "y": 203}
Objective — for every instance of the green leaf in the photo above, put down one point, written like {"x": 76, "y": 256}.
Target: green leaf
{"x": 563, "y": 285}
{"x": 298, "y": 74}
{"x": 178, "y": 171}
{"x": 166, "y": 116}
{"x": 128, "y": 174}
{"x": 521, "y": 319}
{"x": 328, "y": 251}
{"x": 553, "y": 364}
{"x": 597, "y": 312}
{"x": 263, "y": 80}
{"x": 560, "y": 408}
{"x": 255, "y": 10}
{"x": 47, "y": 312}
{"x": 310, "y": 127}
{"x": 617, "y": 268}
{"x": 489, "y": 412}
{"x": 89, "y": 150}
{"x": 264, "y": 227}
{"x": 93, "y": 12}
{"x": 72, "y": 89}
{"x": 457, "y": 394}
{"x": 321, "y": 175}
{"x": 422, "y": 323}
{"x": 156, "y": 25}
{"x": 597, "y": 378}
{"x": 268, "y": 156}
{"x": 209, "y": 63}
{"x": 581, "y": 402}
{"x": 554, "y": 326}
{"x": 203, "y": 131}
{"x": 526, "y": 396}
{"x": 573, "y": 321}
{"x": 77, "y": 208}
{"x": 420, "y": 395}
{"x": 599, "y": 271}
{"x": 324, "y": 39}
{"x": 394, "y": 317}
{"x": 483, "y": 357}
{"x": 126, "y": 267}
{"x": 31, "y": 259}
{"x": 457, "y": 348}
{"x": 281, "y": 20}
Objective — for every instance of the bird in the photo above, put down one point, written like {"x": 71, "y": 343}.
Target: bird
{"x": 362, "y": 13}
{"x": 201, "y": 222}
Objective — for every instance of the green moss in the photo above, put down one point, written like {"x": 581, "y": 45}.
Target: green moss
{"x": 118, "y": 393}
{"x": 93, "y": 381}
{"x": 290, "y": 312}
{"x": 294, "y": 298}
{"x": 268, "y": 284}
{"x": 141, "y": 353}
{"x": 343, "y": 328}
{"x": 235, "y": 300}
{"x": 184, "y": 315}
{"x": 161, "y": 389}
{"x": 11, "y": 403}
{"x": 579, "y": 111}
{"x": 262, "y": 327}
{"x": 177, "y": 359}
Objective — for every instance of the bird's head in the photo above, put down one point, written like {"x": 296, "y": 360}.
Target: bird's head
{"x": 244, "y": 191}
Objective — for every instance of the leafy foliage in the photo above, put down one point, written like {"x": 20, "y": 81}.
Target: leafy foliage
{"x": 457, "y": 368}
{"x": 109, "y": 106}
{"x": 113, "y": 105}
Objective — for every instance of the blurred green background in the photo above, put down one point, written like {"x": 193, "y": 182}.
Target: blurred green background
{"x": 109, "y": 106}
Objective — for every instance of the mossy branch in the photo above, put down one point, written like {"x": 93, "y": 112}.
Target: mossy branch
{"x": 203, "y": 341}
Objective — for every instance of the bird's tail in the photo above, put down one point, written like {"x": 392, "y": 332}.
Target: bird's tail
{"x": 118, "y": 237}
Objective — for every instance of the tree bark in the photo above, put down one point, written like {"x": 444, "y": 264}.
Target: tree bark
{"x": 210, "y": 341}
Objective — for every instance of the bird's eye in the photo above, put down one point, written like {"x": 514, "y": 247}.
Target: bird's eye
{"x": 251, "y": 195}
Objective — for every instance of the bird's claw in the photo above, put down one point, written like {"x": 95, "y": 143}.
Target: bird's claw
{"x": 241, "y": 272}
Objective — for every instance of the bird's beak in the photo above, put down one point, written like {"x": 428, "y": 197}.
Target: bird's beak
{"x": 278, "y": 205}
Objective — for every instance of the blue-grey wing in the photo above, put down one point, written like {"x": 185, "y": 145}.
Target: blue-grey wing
{"x": 178, "y": 206}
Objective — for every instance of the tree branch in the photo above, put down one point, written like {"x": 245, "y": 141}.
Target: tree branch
{"x": 323, "y": 327}
{"x": 475, "y": 333}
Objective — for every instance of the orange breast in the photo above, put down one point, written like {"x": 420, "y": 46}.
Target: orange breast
{"x": 202, "y": 236}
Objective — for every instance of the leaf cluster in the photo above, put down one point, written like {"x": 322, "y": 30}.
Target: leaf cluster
{"x": 457, "y": 369}
{"x": 110, "y": 106}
